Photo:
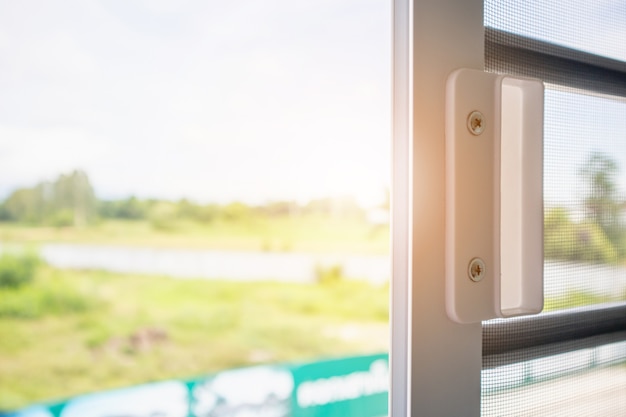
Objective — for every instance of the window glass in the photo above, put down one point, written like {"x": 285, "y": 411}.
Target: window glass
{"x": 190, "y": 187}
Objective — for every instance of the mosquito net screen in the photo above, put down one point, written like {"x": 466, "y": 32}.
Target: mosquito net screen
{"x": 562, "y": 363}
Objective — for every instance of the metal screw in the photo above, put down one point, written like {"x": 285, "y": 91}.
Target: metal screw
{"x": 476, "y": 269}
{"x": 476, "y": 123}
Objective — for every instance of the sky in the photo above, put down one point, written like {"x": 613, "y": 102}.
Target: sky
{"x": 252, "y": 100}
{"x": 209, "y": 100}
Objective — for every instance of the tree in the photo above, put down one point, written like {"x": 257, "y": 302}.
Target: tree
{"x": 70, "y": 200}
{"x": 5, "y": 215}
{"x": 130, "y": 208}
{"x": 579, "y": 242}
{"x": 602, "y": 205}
{"x": 24, "y": 205}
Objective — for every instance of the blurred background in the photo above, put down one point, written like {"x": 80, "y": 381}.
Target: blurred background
{"x": 192, "y": 187}
{"x": 188, "y": 187}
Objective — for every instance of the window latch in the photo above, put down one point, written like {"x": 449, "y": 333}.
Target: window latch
{"x": 494, "y": 196}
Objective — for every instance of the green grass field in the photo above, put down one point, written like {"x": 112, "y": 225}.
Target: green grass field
{"x": 70, "y": 332}
{"x": 283, "y": 234}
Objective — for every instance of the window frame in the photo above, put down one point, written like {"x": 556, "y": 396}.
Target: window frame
{"x": 435, "y": 363}
{"x": 561, "y": 331}
{"x": 554, "y": 64}
{"x": 435, "y": 367}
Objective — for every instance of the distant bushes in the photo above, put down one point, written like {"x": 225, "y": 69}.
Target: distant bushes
{"x": 37, "y": 301}
{"x": 71, "y": 201}
{"x": 25, "y": 295}
{"x": 584, "y": 241}
{"x": 67, "y": 201}
{"x": 328, "y": 275}
{"x": 17, "y": 270}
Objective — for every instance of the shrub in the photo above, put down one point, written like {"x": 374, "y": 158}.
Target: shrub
{"x": 593, "y": 245}
{"x": 328, "y": 275}
{"x": 163, "y": 217}
{"x": 41, "y": 299}
{"x": 62, "y": 218}
{"x": 579, "y": 242}
{"x": 17, "y": 269}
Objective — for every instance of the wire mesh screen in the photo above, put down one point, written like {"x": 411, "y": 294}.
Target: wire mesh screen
{"x": 584, "y": 241}
{"x": 577, "y": 48}
{"x": 592, "y": 26}
{"x": 565, "y": 385}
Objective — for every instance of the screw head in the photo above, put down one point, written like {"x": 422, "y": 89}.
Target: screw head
{"x": 476, "y": 270}
{"x": 476, "y": 123}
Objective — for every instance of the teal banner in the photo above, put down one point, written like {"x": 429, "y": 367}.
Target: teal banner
{"x": 354, "y": 386}
{"x": 258, "y": 391}
{"x": 357, "y": 386}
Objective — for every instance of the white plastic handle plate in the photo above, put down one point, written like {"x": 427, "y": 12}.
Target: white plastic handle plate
{"x": 494, "y": 196}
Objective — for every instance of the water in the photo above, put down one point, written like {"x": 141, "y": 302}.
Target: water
{"x": 560, "y": 277}
{"x": 231, "y": 265}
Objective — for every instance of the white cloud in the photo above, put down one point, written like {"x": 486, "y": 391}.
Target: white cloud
{"x": 239, "y": 100}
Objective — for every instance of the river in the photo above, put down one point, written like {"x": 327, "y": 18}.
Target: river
{"x": 214, "y": 264}
{"x": 560, "y": 277}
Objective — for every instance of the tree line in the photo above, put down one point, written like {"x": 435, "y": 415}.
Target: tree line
{"x": 600, "y": 237}
{"x": 70, "y": 200}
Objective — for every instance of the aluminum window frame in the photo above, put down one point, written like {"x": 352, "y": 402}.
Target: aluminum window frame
{"x": 554, "y": 64}
{"x": 436, "y": 364}
{"x": 526, "y": 338}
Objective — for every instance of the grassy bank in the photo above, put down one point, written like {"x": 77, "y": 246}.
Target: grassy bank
{"x": 299, "y": 234}
{"x": 69, "y": 332}
{"x": 65, "y": 332}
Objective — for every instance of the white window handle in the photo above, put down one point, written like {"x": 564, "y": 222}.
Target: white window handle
{"x": 494, "y": 196}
